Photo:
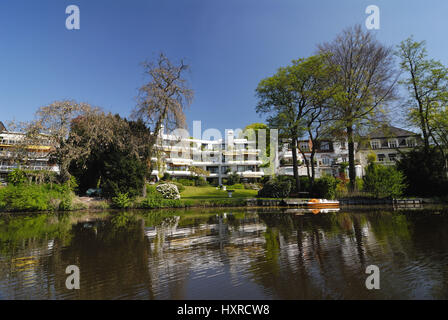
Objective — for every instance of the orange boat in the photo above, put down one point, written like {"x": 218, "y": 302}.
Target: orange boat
{"x": 322, "y": 204}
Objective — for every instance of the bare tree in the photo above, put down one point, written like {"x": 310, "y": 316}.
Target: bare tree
{"x": 367, "y": 77}
{"x": 162, "y": 101}
{"x": 55, "y": 121}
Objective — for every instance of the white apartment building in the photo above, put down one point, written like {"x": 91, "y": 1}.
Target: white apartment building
{"x": 177, "y": 154}
{"x": 16, "y": 153}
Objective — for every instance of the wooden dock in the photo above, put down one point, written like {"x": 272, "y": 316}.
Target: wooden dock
{"x": 253, "y": 202}
{"x": 300, "y": 203}
{"x": 404, "y": 202}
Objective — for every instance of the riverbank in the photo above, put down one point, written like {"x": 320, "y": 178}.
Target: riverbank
{"x": 46, "y": 197}
{"x": 39, "y": 198}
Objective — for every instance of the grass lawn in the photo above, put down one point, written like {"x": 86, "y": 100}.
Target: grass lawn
{"x": 211, "y": 193}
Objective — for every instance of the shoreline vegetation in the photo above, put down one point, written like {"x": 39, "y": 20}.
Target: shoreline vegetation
{"x": 61, "y": 198}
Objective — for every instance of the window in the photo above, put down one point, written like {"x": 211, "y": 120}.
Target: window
{"x": 304, "y": 146}
{"x": 381, "y": 157}
{"x": 392, "y": 156}
{"x": 326, "y": 161}
{"x": 212, "y": 169}
{"x": 411, "y": 143}
{"x": 393, "y": 143}
{"x": 325, "y": 146}
{"x": 375, "y": 144}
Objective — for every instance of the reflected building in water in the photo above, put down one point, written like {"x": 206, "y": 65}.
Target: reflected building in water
{"x": 233, "y": 255}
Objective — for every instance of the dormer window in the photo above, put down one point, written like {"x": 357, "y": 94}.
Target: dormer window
{"x": 393, "y": 143}
{"x": 375, "y": 144}
{"x": 304, "y": 146}
{"x": 411, "y": 142}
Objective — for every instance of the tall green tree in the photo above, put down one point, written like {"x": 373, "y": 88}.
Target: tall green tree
{"x": 367, "y": 78}
{"x": 114, "y": 161}
{"x": 427, "y": 83}
{"x": 289, "y": 96}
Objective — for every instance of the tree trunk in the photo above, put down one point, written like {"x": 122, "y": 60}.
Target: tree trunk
{"x": 420, "y": 109}
{"x": 313, "y": 169}
{"x": 145, "y": 181}
{"x": 351, "y": 158}
{"x": 295, "y": 168}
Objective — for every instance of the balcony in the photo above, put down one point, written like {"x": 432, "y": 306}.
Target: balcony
{"x": 243, "y": 162}
{"x": 33, "y": 168}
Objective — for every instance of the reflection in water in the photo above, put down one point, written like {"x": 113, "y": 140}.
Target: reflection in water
{"x": 218, "y": 254}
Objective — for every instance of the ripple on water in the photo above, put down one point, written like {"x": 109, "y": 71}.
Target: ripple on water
{"x": 261, "y": 257}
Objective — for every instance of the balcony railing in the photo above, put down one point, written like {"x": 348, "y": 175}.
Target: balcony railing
{"x": 33, "y": 168}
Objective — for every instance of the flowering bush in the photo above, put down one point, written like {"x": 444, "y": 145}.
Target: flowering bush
{"x": 168, "y": 191}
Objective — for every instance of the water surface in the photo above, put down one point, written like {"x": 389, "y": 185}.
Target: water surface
{"x": 226, "y": 254}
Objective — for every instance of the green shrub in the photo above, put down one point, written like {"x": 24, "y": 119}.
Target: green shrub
{"x": 325, "y": 187}
{"x": 342, "y": 188}
{"x": 186, "y": 182}
{"x": 157, "y": 203}
{"x": 304, "y": 183}
{"x": 383, "y": 181}
{"x": 66, "y": 202}
{"x": 424, "y": 172}
{"x": 16, "y": 177}
{"x": 35, "y": 197}
{"x": 73, "y": 184}
{"x": 359, "y": 183}
{"x": 275, "y": 189}
{"x": 238, "y": 186}
{"x": 151, "y": 191}
{"x": 121, "y": 201}
{"x": 179, "y": 186}
{"x": 166, "y": 176}
{"x": 233, "y": 178}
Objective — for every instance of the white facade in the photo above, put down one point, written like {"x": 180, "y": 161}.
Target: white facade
{"x": 327, "y": 158}
{"x": 386, "y": 143}
{"x": 177, "y": 154}
{"x": 15, "y": 153}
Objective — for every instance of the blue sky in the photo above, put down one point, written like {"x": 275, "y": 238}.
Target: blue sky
{"x": 230, "y": 45}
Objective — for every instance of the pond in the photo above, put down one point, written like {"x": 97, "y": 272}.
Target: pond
{"x": 226, "y": 254}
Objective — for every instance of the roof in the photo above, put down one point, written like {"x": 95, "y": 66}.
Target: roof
{"x": 390, "y": 131}
{"x": 2, "y": 127}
